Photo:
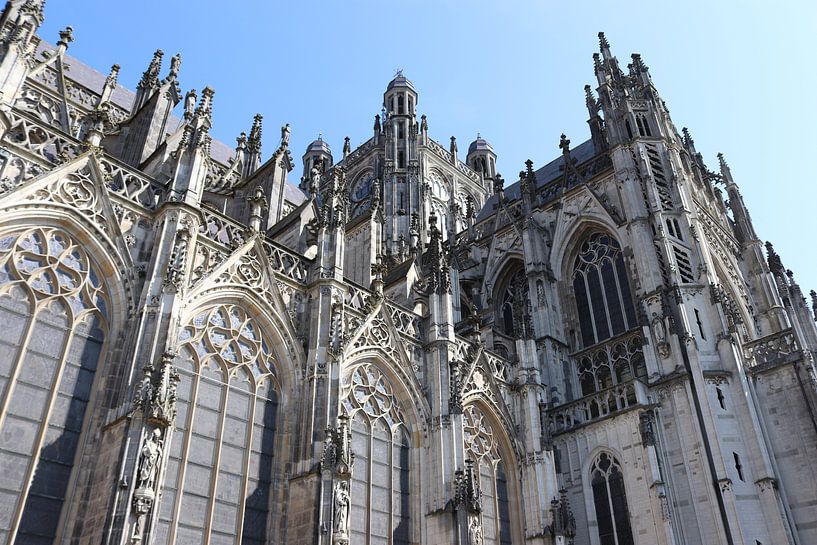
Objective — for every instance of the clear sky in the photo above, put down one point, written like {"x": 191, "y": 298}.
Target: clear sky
{"x": 740, "y": 74}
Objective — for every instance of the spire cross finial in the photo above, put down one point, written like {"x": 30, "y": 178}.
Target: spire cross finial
{"x": 398, "y": 72}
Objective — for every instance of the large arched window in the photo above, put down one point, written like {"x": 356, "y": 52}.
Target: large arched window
{"x": 610, "y": 501}
{"x": 380, "y": 476}
{"x": 603, "y": 300}
{"x": 481, "y": 447}
{"x": 221, "y": 453}
{"x": 53, "y": 315}
{"x": 513, "y": 316}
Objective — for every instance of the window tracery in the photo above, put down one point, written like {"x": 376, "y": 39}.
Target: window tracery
{"x": 53, "y": 310}
{"x": 227, "y": 406}
{"x": 380, "y": 476}
{"x": 600, "y": 284}
{"x": 610, "y": 501}
{"x": 481, "y": 447}
{"x": 514, "y": 317}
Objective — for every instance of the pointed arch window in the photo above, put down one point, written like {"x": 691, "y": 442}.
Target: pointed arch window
{"x": 220, "y": 464}
{"x": 610, "y": 501}
{"x": 604, "y": 303}
{"x": 53, "y": 311}
{"x": 380, "y": 476}
{"x": 514, "y": 306}
{"x": 481, "y": 447}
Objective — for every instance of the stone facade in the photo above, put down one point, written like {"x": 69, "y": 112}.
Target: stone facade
{"x": 405, "y": 350}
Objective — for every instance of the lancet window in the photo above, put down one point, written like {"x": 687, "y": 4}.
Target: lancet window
{"x": 53, "y": 311}
{"x": 514, "y": 309}
{"x": 610, "y": 501}
{"x": 482, "y": 449}
{"x": 604, "y": 303}
{"x": 380, "y": 475}
{"x": 226, "y": 407}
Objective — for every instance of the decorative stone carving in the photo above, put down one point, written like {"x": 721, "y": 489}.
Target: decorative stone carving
{"x": 340, "y": 513}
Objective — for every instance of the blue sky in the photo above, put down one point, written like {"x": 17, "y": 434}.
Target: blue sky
{"x": 740, "y": 75}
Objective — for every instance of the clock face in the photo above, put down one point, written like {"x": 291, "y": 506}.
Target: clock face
{"x": 362, "y": 188}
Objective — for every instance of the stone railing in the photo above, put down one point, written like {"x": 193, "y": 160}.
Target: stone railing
{"x": 132, "y": 185}
{"x": 776, "y": 348}
{"x": 405, "y": 321}
{"x": 598, "y": 405}
{"x": 287, "y": 263}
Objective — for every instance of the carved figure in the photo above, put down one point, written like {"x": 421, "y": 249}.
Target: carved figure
{"x": 189, "y": 103}
{"x": 149, "y": 460}
{"x": 340, "y": 513}
{"x": 285, "y": 132}
{"x": 474, "y": 532}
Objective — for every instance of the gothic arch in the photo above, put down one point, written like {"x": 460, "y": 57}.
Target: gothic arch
{"x": 64, "y": 297}
{"x": 566, "y": 244}
{"x": 591, "y": 496}
{"x": 386, "y": 431}
{"x": 735, "y": 301}
{"x": 508, "y": 455}
{"x": 510, "y": 295}
{"x": 235, "y": 398}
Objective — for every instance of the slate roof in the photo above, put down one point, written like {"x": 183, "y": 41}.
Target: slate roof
{"x": 544, "y": 175}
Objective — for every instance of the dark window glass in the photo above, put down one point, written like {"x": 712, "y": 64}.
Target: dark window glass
{"x": 583, "y": 310}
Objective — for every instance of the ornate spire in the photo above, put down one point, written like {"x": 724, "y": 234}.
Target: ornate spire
{"x": 590, "y": 101}
{"x": 604, "y": 45}
{"x": 453, "y": 150}
{"x": 775, "y": 263}
{"x": 638, "y": 64}
{"x": 347, "y": 147}
{"x": 377, "y": 128}
{"x": 688, "y": 141}
{"x": 440, "y": 280}
{"x": 254, "y": 140}
{"x": 150, "y": 77}
{"x": 725, "y": 171}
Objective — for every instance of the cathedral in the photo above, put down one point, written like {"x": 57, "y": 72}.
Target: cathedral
{"x": 204, "y": 344}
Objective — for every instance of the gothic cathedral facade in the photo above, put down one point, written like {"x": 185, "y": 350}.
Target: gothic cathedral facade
{"x": 400, "y": 347}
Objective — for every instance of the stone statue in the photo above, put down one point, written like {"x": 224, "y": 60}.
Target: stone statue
{"x": 340, "y": 512}
{"x": 149, "y": 459}
{"x": 285, "y": 132}
{"x": 474, "y": 532}
{"x": 175, "y": 64}
{"x": 189, "y": 104}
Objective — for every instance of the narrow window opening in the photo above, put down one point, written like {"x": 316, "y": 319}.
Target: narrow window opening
{"x": 738, "y": 466}
{"x": 721, "y": 399}
{"x": 700, "y": 325}
{"x": 629, "y": 129}
{"x": 400, "y": 105}
{"x": 400, "y": 130}
{"x": 401, "y": 159}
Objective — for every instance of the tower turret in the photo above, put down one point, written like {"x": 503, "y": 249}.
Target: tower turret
{"x": 482, "y": 159}
{"x": 318, "y": 156}
{"x": 400, "y": 105}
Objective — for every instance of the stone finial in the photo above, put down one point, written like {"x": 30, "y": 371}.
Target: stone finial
{"x": 564, "y": 144}
{"x": 775, "y": 263}
{"x": 66, "y": 37}
{"x": 604, "y": 45}
{"x": 638, "y": 64}
{"x": 688, "y": 141}
{"x": 254, "y": 139}
{"x": 377, "y": 128}
{"x": 347, "y": 146}
{"x": 205, "y": 108}
{"x": 597, "y": 63}
{"x": 590, "y": 100}
{"x": 150, "y": 77}
{"x": 113, "y": 76}
{"x": 241, "y": 142}
{"x": 258, "y": 205}
{"x": 423, "y": 123}
{"x": 453, "y": 149}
